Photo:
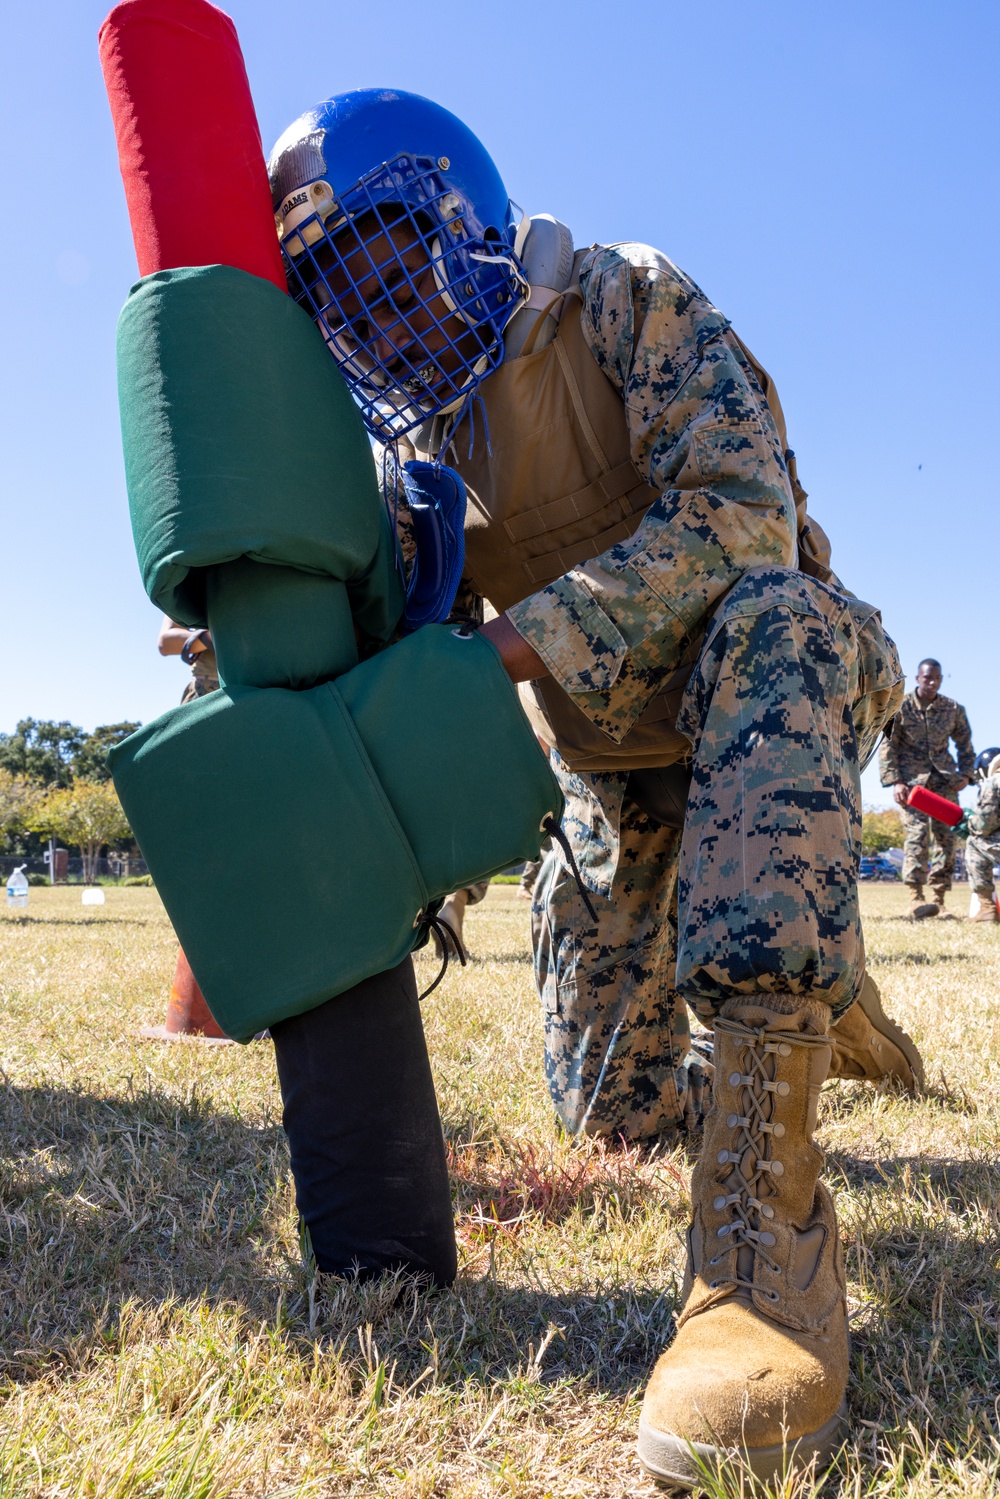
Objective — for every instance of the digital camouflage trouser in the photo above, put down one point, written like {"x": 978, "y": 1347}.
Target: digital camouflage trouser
{"x": 981, "y": 854}
{"x": 919, "y": 831}
{"x": 758, "y": 894}
{"x": 618, "y": 1055}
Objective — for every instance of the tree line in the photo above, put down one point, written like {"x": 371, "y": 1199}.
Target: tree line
{"x": 54, "y": 783}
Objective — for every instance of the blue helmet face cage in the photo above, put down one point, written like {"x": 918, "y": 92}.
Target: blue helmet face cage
{"x": 411, "y": 293}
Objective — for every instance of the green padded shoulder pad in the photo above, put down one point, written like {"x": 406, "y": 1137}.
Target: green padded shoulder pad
{"x": 241, "y": 439}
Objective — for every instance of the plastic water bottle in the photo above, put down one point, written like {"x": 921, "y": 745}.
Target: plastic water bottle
{"x": 17, "y": 888}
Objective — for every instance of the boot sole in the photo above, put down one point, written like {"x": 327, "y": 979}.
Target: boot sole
{"x": 871, "y": 1006}
{"x": 678, "y": 1463}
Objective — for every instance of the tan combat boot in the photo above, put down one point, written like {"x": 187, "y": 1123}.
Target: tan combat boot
{"x": 869, "y": 1046}
{"x": 920, "y": 908}
{"x": 758, "y": 1368}
{"x": 986, "y": 910}
{"x": 939, "y": 892}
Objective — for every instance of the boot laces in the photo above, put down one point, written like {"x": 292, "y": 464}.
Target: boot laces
{"x": 757, "y": 1170}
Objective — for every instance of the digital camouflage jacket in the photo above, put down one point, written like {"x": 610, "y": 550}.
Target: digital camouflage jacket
{"x": 702, "y": 434}
{"x": 917, "y": 750}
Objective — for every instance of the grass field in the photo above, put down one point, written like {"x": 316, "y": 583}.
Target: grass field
{"x": 157, "y": 1335}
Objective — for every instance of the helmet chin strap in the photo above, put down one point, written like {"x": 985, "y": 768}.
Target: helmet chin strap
{"x": 478, "y": 370}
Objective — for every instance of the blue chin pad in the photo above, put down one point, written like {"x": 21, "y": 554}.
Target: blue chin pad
{"x": 435, "y": 495}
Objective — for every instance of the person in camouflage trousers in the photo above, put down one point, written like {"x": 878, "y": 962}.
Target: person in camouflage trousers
{"x": 982, "y": 849}
{"x": 790, "y": 682}
{"x": 608, "y": 632}
{"x": 750, "y": 911}
{"x": 916, "y": 753}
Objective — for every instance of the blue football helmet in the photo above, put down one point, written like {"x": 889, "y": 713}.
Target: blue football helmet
{"x": 400, "y": 241}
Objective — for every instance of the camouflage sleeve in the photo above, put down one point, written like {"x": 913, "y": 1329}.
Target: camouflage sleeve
{"x": 984, "y": 819}
{"x": 962, "y": 735}
{"x": 888, "y": 758}
{"x": 610, "y": 630}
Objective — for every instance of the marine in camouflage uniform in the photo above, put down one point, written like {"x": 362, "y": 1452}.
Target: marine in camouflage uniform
{"x": 982, "y": 850}
{"x": 917, "y": 753}
{"x": 685, "y": 567}
{"x": 789, "y": 682}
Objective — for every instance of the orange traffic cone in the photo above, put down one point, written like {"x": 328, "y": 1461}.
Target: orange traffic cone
{"x": 188, "y": 1016}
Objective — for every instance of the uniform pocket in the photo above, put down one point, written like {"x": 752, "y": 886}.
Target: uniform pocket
{"x": 734, "y": 457}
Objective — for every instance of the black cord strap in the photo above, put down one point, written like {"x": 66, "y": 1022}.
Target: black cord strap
{"x": 444, "y": 931}
{"x": 553, "y": 829}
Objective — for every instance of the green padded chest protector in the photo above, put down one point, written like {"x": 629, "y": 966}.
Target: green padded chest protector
{"x": 296, "y": 837}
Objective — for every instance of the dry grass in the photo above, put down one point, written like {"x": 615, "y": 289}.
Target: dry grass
{"x": 155, "y": 1332}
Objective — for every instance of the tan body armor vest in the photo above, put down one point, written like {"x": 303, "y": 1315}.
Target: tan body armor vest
{"x": 560, "y": 488}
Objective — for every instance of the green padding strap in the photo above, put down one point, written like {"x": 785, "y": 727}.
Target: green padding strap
{"x": 296, "y": 836}
{"x": 241, "y": 439}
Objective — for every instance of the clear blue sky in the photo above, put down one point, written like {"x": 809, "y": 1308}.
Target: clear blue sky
{"x": 828, "y": 173}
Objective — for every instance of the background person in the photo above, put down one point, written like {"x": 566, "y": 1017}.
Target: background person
{"x": 916, "y": 753}
{"x": 196, "y": 650}
{"x": 452, "y": 915}
{"x": 982, "y": 849}
{"x": 187, "y": 1012}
